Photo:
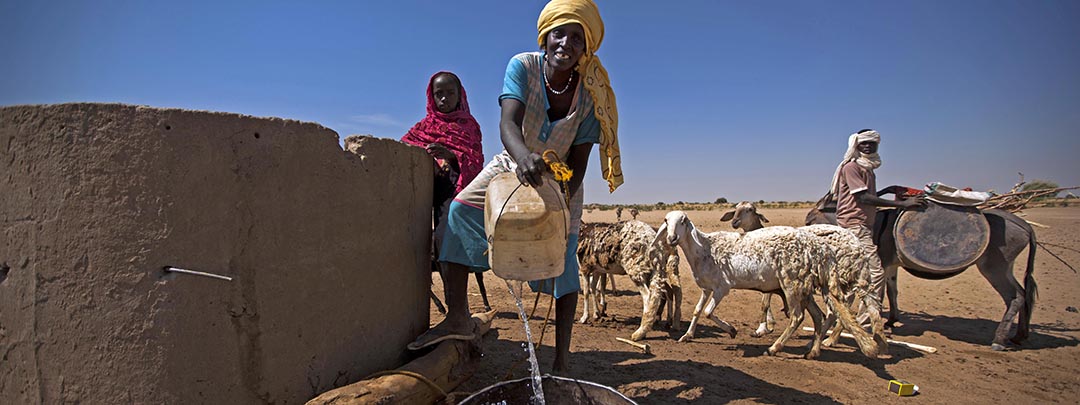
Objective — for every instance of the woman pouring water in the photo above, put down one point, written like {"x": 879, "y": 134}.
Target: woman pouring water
{"x": 558, "y": 99}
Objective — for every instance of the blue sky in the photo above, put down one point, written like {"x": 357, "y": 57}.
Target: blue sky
{"x": 747, "y": 100}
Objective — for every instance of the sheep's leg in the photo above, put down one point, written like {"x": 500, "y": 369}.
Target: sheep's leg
{"x": 726, "y": 327}
{"x": 645, "y": 295}
{"x": 666, "y": 309}
{"x": 796, "y": 312}
{"x": 834, "y": 336}
{"x": 601, "y": 292}
{"x": 819, "y": 331}
{"x": 767, "y": 321}
{"x": 871, "y": 344}
{"x": 675, "y": 307}
{"x": 586, "y": 282}
{"x": 597, "y": 294}
{"x": 664, "y": 306}
{"x": 650, "y": 312}
{"x": 831, "y": 317}
{"x": 705, "y": 294}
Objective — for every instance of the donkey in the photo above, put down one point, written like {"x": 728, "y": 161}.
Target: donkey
{"x": 1009, "y": 235}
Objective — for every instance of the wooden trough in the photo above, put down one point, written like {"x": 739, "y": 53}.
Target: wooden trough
{"x": 422, "y": 381}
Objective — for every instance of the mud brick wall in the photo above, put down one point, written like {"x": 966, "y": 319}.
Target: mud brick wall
{"x": 327, "y": 250}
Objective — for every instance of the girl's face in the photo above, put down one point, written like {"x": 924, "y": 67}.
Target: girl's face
{"x": 564, "y": 46}
{"x": 444, "y": 90}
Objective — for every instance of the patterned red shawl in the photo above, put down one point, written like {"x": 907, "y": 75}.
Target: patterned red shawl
{"x": 458, "y": 130}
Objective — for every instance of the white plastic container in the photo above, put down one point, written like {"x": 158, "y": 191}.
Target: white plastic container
{"x": 526, "y": 228}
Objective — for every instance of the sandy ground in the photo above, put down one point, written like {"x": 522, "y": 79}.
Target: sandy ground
{"x": 956, "y": 315}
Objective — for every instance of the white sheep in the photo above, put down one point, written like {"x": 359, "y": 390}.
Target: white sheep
{"x": 845, "y": 247}
{"x": 629, "y": 248}
{"x": 848, "y": 285}
{"x": 746, "y": 217}
{"x": 776, "y": 259}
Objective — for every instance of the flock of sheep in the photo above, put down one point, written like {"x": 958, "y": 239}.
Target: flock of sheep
{"x": 795, "y": 263}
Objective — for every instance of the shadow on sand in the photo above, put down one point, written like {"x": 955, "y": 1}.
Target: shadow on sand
{"x": 678, "y": 380}
{"x": 981, "y": 331}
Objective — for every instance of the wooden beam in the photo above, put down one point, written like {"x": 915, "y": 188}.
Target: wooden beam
{"x": 643, "y": 346}
{"x": 915, "y": 346}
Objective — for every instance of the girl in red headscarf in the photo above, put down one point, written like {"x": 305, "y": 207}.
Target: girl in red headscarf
{"x": 452, "y": 137}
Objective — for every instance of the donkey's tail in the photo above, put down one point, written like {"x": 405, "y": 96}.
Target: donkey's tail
{"x": 1031, "y": 289}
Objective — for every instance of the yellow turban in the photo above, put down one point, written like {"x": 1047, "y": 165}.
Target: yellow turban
{"x": 561, "y": 12}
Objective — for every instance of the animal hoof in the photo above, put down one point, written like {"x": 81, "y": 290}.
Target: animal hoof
{"x": 734, "y": 333}
{"x": 997, "y": 347}
{"x": 685, "y": 338}
{"x": 770, "y": 352}
{"x": 637, "y": 336}
{"x": 811, "y": 355}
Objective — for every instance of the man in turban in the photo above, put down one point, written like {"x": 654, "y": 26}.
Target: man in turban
{"x": 854, "y": 185}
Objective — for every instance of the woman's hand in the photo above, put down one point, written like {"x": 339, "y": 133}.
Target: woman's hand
{"x": 530, "y": 169}
{"x": 439, "y": 151}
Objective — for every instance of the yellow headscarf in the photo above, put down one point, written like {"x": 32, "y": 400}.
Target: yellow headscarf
{"x": 561, "y": 12}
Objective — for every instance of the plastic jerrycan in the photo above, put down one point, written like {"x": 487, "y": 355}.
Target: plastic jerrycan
{"x": 527, "y": 228}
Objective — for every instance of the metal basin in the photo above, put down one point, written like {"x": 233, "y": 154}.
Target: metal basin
{"x": 557, "y": 390}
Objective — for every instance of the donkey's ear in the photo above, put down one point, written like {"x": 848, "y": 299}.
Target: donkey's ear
{"x": 763, "y": 219}
{"x": 728, "y": 216}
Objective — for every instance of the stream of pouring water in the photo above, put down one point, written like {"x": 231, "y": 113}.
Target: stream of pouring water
{"x": 538, "y": 390}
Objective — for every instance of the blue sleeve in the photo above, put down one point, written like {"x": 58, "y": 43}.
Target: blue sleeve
{"x": 516, "y": 82}
{"x": 589, "y": 130}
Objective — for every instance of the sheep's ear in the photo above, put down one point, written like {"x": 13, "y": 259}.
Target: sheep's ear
{"x": 728, "y": 216}
{"x": 659, "y": 232}
{"x": 692, "y": 230}
{"x": 763, "y": 219}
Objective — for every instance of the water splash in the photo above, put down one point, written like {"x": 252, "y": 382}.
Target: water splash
{"x": 538, "y": 390}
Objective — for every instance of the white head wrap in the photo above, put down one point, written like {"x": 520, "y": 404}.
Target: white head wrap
{"x": 870, "y": 161}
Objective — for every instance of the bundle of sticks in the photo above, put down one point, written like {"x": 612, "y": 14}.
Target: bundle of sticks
{"x": 1018, "y": 199}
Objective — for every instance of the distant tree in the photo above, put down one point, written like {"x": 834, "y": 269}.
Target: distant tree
{"x": 1040, "y": 185}
{"x": 721, "y": 200}
{"x": 761, "y": 201}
